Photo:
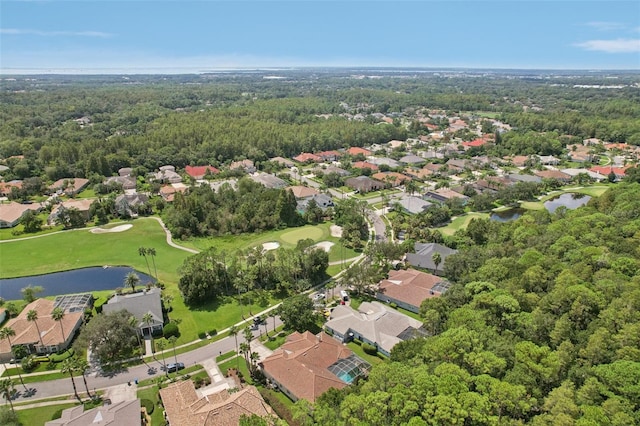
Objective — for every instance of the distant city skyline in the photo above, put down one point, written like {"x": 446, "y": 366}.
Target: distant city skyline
{"x": 139, "y": 36}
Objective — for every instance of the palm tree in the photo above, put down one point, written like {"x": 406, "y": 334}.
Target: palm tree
{"x": 69, "y": 366}
{"x": 172, "y": 340}
{"x": 143, "y": 252}
{"x": 7, "y": 333}
{"x": 245, "y": 349}
{"x": 255, "y": 357}
{"x": 133, "y": 322}
{"x": 32, "y": 316}
{"x": 58, "y": 315}
{"x": 437, "y": 260}
{"x": 8, "y": 391}
{"x": 161, "y": 346}
{"x": 233, "y": 331}
{"x": 148, "y": 319}
{"x": 132, "y": 279}
{"x": 152, "y": 252}
{"x": 82, "y": 366}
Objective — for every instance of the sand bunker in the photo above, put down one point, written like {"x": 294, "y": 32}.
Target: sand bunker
{"x": 324, "y": 245}
{"x": 270, "y": 246}
{"x": 336, "y": 231}
{"x": 119, "y": 228}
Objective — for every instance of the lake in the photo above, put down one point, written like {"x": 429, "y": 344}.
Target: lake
{"x": 569, "y": 200}
{"x": 76, "y": 281}
{"x": 507, "y": 215}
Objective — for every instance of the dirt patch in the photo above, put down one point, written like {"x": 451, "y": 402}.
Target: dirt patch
{"x": 119, "y": 228}
{"x": 324, "y": 245}
{"x": 270, "y": 246}
{"x": 336, "y": 231}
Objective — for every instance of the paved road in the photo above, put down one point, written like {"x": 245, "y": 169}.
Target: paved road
{"x": 62, "y": 387}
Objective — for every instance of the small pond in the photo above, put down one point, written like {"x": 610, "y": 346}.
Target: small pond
{"x": 568, "y": 200}
{"x": 76, "y": 281}
{"x": 507, "y": 215}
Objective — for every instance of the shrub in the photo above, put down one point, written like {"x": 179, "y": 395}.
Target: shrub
{"x": 369, "y": 349}
{"x": 213, "y": 332}
{"x": 148, "y": 405}
{"x": 59, "y": 357}
{"x": 202, "y": 335}
{"x": 171, "y": 329}
{"x": 29, "y": 364}
{"x": 56, "y": 414}
{"x": 393, "y": 305}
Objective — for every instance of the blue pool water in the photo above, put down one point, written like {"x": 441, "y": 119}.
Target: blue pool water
{"x": 76, "y": 281}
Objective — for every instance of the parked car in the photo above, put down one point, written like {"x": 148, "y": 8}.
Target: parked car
{"x": 318, "y": 297}
{"x": 173, "y": 367}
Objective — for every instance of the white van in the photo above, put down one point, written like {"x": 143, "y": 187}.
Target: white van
{"x": 344, "y": 295}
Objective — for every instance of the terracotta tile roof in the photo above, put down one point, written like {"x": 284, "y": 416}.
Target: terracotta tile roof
{"x": 393, "y": 178}
{"x": 198, "y": 172}
{"x": 474, "y": 143}
{"x": 300, "y": 191}
{"x": 364, "y": 165}
{"x": 410, "y": 286}
{"x": 307, "y": 156}
{"x": 553, "y": 174}
{"x": 354, "y": 150}
{"x": 27, "y": 332}
{"x": 185, "y": 408}
{"x": 5, "y": 187}
{"x": 605, "y": 170}
{"x": 12, "y": 211}
{"x": 300, "y": 365}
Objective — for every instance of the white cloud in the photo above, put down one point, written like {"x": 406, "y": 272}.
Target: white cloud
{"x": 619, "y": 45}
{"x": 606, "y": 25}
{"x": 16, "y": 31}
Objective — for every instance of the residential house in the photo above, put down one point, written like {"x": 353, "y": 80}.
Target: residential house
{"x": 554, "y": 174}
{"x": 199, "y": 172}
{"x": 82, "y": 205}
{"x": 125, "y": 171}
{"x": 68, "y": 186}
{"x": 420, "y": 174}
{"x": 284, "y": 162}
{"x": 129, "y": 204}
{"x": 476, "y": 143}
{"x": 395, "y": 144}
{"x": 620, "y": 172}
{"x": 323, "y": 201}
{"x": 443, "y": 194}
{"x": 592, "y": 175}
{"x": 269, "y": 181}
{"x": 364, "y": 165}
{"x": 519, "y": 160}
{"x": 123, "y": 413}
{"x": 373, "y": 323}
{"x": 128, "y": 182}
{"x": 384, "y": 161}
{"x": 580, "y": 153}
{"x": 300, "y": 191}
{"x": 549, "y": 160}
{"x": 306, "y": 366}
{"x": 167, "y": 174}
{"x": 11, "y": 212}
{"x": 457, "y": 166}
{"x": 329, "y": 155}
{"x": 491, "y": 184}
{"x": 364, "y": 184}
{"x": 7, "y": 187}
{"x": 43, "y": 336}
{"x": 354, "y": 150}
{"x": 413, "y": 205}
{"x": 412, "y": 160}
{"x": 392, "y": 179}
{"x": 409, "y": 288}
{"x": 246, "y": 165}
{"x": 307, "y": 157}
{"x": 216, "y": 185}
{"x": 139, "y": 304}
{"x": 332, "y": 169}
{"x": 168, "y": 192}
{"x": 515, "y": 178}
{"x": 185, "y": 407}
{"x": 423, "y": 256}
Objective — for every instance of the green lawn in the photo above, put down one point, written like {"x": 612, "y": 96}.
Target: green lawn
{"x": 81, "y": 248}
{"x": 461, "y": 222}
{"x": 357, "y": 349}
{"x": 240, "y": 363}
{"x": 40, "y": 415}
{"x": 151, "y": 393}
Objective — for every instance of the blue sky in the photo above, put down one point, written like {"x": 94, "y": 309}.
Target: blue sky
{"x": 177, "y": 36}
